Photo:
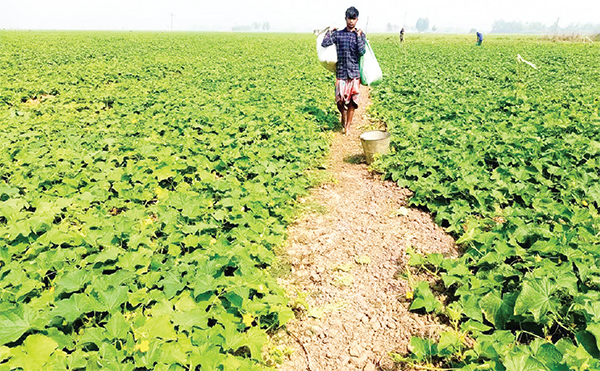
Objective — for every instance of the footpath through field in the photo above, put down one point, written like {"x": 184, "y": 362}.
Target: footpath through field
{"x": 345, "y": 264}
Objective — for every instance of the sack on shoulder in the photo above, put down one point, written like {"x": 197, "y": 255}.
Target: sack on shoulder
{"x": 327, "y": 56}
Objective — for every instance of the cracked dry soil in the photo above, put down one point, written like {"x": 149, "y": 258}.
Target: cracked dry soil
{"x": 345, "y": 262}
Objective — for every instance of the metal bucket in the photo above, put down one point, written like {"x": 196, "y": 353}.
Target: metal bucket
{"x": 373, "y": 142}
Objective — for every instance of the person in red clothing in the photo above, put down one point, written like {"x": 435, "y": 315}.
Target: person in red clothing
{"x": 350, "y": 45}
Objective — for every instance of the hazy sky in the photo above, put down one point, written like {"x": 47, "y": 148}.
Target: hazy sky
{"x": 283, "y": 15}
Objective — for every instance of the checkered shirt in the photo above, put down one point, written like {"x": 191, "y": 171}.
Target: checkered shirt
{"x": 349, "y": 49}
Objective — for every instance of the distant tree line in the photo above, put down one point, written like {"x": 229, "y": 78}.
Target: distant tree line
{"x": 392, "y": 27}
{"x": 256, "y": 26}
{"x": 422, "y": 24}
{"x": 502, "y": 26}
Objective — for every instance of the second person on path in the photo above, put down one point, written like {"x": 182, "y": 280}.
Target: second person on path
{"x": 350, "y": 45}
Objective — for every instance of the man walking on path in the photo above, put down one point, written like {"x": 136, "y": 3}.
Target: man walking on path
{"x": 350, "y": 45}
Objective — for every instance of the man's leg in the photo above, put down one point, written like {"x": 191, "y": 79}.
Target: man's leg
{"x": 343, "y": 112}
{"x": 350, "y": 114}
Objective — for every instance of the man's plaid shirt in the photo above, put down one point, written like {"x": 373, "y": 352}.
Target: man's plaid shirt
{"x": 349, "y": 49}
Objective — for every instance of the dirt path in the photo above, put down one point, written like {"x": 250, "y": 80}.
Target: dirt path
{"x": 344, "y": 265}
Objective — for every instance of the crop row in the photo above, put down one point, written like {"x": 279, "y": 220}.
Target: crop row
{"x": 144, "y": 181}
{"x": 506, "y": 158}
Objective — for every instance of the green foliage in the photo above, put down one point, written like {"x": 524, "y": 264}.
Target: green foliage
{"x": 507, "y": 163}
{"x": 424, "y": 299}
{"x": 145, "y": 179}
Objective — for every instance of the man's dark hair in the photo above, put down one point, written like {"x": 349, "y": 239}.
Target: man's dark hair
{"x": 352, "y": 13}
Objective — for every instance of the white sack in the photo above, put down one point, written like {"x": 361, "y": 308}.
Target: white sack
{"x": 328, "y": 55}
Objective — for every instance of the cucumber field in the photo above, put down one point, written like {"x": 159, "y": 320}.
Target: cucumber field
{"x": 147, "y": 180}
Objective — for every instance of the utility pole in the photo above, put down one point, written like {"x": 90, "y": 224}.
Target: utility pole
{"x": 172, "y": 15}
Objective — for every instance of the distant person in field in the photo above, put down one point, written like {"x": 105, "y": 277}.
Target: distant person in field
{"x": 350, "y": 45}
{"x": 479, "y": 38}
{"x": 402, "y": 35}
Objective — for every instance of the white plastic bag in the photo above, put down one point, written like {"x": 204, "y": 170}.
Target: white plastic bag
{"x": 327, "y": 56}
{"x": 370, "y": 72}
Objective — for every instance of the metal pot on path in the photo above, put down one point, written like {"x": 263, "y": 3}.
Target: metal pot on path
{"x": 373, "y": 142}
